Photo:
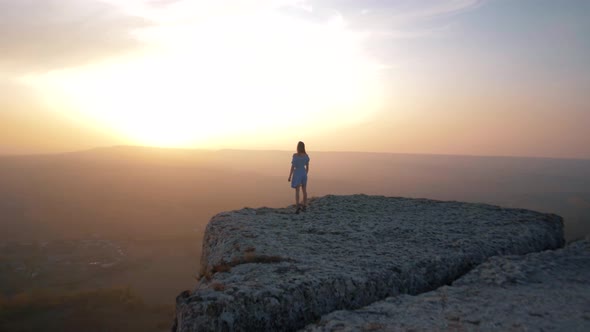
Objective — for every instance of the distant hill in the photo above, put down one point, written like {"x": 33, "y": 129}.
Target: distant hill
{"x": 139, "y": 191}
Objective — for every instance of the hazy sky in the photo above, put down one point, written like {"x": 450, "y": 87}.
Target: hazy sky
{"x": 496, "y": 77}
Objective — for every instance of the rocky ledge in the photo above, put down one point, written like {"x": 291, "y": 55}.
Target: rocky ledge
{"x": 269, "y": 269}
{"x": 548, "y": 291}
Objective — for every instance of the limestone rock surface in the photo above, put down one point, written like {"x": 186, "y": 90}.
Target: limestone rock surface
{"x": 272, "y": 270}
{"x": 548, "y": 291}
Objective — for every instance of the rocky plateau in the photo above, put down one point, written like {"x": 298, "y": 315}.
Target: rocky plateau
{"x": 368, "y": 263}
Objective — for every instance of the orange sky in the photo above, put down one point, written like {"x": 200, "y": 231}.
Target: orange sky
{"x": 441, "y": 77}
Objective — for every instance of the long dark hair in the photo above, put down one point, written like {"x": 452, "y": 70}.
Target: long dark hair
{"x": 301, "y": 148}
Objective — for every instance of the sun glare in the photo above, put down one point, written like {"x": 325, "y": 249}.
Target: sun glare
{"x": 230, "y": 76}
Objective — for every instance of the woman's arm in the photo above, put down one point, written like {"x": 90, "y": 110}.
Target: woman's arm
{"x": 307, "y": 167}
{"x": 291, "y": 172}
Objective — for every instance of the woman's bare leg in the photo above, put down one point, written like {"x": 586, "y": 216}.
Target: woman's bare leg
{"x": 304, "y": 188}
{"x": 297, "y": 196}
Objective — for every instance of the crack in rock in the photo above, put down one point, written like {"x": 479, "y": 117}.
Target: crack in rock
{"x": 247, "y": 258}
{"x": 547, "y": 291}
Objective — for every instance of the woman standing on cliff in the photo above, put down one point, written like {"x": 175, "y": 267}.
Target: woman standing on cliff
{"x": 299, "y": 170}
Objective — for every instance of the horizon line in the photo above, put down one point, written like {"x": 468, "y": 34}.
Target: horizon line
{"x": 278, "y": 150}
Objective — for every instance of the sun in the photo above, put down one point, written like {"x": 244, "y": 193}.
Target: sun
{"x": 227, "y": 77}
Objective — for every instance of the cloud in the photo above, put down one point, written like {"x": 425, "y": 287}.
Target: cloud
{"x": 182, "y": 11}
{"x": 393, "y": 18}
{"x": 51, "y": 34}
{"x": 383, "y": 25}
{"x": 158, "y": 3}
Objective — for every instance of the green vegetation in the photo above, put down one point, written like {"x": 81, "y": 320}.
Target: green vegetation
{"x": 76, "y": 285}
{"x": 114, "y": 309}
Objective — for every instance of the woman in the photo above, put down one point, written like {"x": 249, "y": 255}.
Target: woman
{"x": 299, "y": 170}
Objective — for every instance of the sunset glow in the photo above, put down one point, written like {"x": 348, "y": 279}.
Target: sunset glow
{"x": 234, "y": 75}
{"x": 466, "y": 77}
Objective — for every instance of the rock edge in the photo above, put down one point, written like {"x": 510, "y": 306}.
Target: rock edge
{"x": 268, "y": 269}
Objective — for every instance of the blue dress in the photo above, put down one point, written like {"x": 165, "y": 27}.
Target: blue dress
{"x": 299, "y": 173}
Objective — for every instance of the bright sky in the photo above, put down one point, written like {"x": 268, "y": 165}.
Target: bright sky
{"x": 494, "y": 77}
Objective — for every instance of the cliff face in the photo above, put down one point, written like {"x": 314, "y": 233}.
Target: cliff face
{"x": 547, "y": 291}
{"x": 269, "y": 269}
